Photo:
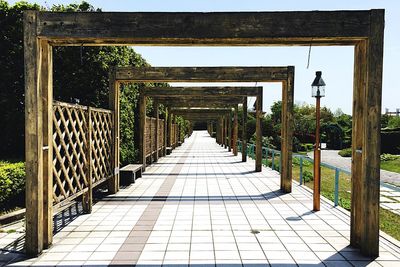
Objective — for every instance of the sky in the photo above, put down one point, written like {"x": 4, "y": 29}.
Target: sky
{"x": 336, "y": 63}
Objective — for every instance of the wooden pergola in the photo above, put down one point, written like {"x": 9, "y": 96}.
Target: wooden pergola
{"x": 362, "y": 29}
{"x": 284, "y": 75}
{"x": 213, "y": 97}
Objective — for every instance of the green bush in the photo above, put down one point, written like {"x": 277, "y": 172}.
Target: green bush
{"x": 12, "y": 181}
{"x": 389, "y": 157}
{"x": 307, "y": 176}
{"x": 345, "y": 152}
{"x": 306, "y": 147}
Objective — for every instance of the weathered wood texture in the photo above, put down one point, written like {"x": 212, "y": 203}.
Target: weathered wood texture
{"x": 244, "y": 131}
{"x": 142, "y": 129}
{"x": 157, "y": 134}
{"x": 212, "y": 92}
{"x": 154, "y": 138}
{"x": 287, "y": 131}
{"x": 259, "y": 115}
{"x": 71, "y": 151}
{"x": 227, "y": 28}
{"x": 229, "y": 118}
{"x": 114, "y": 92}
{"x": 46, "y": 81}
{"x": 235, "y": 131}
{"x": 371, "y": 144}
{"x": 360, "y": 67}
{"x": 201, "y": 74}
{"x": 33, "y": 136}
{"x": 200, "y": 102}
{"x": 220, "y": 28}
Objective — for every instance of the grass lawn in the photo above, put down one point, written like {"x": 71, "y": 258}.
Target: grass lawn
{"x": 391, "y": 165}
{"x": 389, "y": 221}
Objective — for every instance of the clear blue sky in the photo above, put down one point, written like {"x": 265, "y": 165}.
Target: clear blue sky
{"x": 336, "y": 63}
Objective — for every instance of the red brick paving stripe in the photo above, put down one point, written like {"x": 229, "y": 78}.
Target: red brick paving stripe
{"x": 130, "y": 251}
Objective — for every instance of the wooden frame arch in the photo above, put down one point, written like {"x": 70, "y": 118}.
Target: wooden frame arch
{"x": 362, "y": 29}
{"x": 284, "y": 75}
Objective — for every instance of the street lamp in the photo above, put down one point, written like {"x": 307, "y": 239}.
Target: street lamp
{"x": 317, "y": 91}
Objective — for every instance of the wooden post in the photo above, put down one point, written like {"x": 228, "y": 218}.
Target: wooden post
{"x": 173, "y": 131}
{"x": 259, "y": 132}
{"x": 287, "y": 131}
{"x": 359, "y": 80}
{"x": 223, "y": 132}
{"x": 156, "y": 115}
{"x": 169, "y": 131}
{"x": 113, "y": 183}
{"x": 229, "y": 118}
{"x": 46, "y": 83}
{"x": 142, "y": 129}
{"x": 244, "y": 131}
{"x": 87, "y": 198}
{"x": 150, "y": 134}
{"x": 165, "y": 133}
{"x": 33, "y": 136}
{"x": 371, "y": 135}
{"x": 211, "y": 128}
{"x": 235, "y": 131}
{"x": 217, "y": 131}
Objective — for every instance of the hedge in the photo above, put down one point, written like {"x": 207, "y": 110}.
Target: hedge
{"x": 12, "y": 183}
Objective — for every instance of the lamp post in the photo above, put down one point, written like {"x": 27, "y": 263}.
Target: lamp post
{"x": 317, "y": 91}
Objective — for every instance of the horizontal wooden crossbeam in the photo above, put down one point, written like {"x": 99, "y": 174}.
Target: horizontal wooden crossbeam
{"x": 201, "y": 74}
{"x": 219, "y": 28}
{"x": 200, "y": 111}
{"x": 202, "y": 91}
{"x": 193, "y": 102}
{"x": 198, "y": 104}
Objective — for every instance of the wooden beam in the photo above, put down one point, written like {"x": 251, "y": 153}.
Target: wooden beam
{"x": 229, "y": 118}
{"x": 244, "y": 131}
{"x": 156, "y": 115}
{"x": 209, "y": 111}
{"x": 201, "y": 74}
{"x": 371, "y": 136}
{"x": 359, "y": 81}
{"x": 114, "y": 94}
{"x": 142, "y": 129}
{"x": 33, "y": 137}
{"x": 195, "y": 28}
{"x": 165, "y": 131}
{"x": 258, "y": 144}
{"x": 46, "y": 83}
{"x": 169, "y": 133}
{"x": 287, "y": 131}
{"x": 235, "y": 131}
{"x": 214, "y": 92}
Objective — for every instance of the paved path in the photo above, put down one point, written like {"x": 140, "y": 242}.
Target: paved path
{"x": 202, "y": 206}
{"x": 390, "y": 194}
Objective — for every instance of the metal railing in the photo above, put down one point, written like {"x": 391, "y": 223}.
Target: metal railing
{"x": 269, "y": 156}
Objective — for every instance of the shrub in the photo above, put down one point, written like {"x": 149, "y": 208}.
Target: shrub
{"x": 389, "y": 157}
{"x": 12, "y": 181}
{"x": 307, "y": 176}
{"x": 345, "y": 152}
{"x": 306, "y": 147}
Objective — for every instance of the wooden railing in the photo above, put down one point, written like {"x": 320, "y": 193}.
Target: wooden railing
{"x": 82, "y": 150}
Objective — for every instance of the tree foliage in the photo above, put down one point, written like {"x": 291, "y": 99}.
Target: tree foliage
{"x": 80, "y": 76}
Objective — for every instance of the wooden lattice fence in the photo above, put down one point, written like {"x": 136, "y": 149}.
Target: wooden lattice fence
{"x": 78, "y": 132}
{"x": 152, "y": 135}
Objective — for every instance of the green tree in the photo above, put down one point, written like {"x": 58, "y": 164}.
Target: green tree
{"x": 394, "y": 122}
{"x": 80, "y": 76}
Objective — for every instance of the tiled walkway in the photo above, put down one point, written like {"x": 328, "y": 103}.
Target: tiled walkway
{"x": 202, "y": 206}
